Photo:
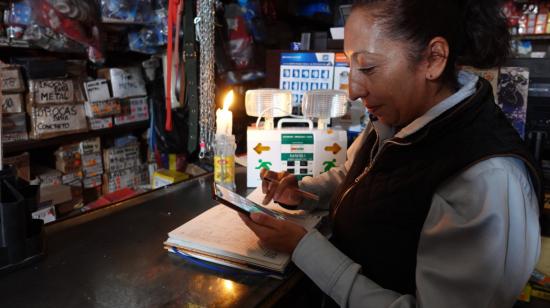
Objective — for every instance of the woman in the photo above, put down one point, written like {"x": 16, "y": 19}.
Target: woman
{"x": 438, "y": 202}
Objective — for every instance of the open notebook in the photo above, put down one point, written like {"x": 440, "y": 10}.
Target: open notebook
{"x": 219, "y": 235}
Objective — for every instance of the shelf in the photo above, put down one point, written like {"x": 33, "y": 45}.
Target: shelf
{"x": 21, "y": 146}
{"x": 531, "y": 37}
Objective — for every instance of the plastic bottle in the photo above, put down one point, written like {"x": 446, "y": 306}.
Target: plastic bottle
{"x": 224, "y": 161}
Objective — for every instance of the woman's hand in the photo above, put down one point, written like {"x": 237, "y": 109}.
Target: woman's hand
{"x": 281, "y": 187}
{"x": 276, "y": 234}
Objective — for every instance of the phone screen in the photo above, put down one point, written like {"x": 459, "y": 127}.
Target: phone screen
{"x": 223, "y": 194}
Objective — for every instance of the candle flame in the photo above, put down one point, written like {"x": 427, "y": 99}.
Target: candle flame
{"x": 228, "y": 100}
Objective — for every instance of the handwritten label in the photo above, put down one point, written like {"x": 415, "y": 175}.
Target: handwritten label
{"x": 54, "y": 119}
{"x": 52, "y": 91}
{"x": 97, "y": 90}
{"x": 12, "y": 80}
{"x": 139, "y": 111}
{"x": 127, "y": 82}
{"x": 12, "y": 103}
{"x": 101, "y": 123}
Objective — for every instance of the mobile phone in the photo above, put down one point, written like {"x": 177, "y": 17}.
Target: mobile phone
{"x": 240, "y": 203}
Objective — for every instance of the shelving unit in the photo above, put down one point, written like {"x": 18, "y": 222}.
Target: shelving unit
{"x": 531, "y": 37}
{"x": 20, "y": 146}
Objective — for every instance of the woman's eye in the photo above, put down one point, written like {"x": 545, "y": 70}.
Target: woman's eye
{"x": 367, "y": 69}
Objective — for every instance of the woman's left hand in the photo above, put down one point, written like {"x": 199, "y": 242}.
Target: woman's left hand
{"x": 279, "y": 235}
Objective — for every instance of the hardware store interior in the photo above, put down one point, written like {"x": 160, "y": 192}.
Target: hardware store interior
{"x": 309, "y": 153}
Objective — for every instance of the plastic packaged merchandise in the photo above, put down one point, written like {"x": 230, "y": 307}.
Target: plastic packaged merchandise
{"x": 18, "y": 18}
{"x": 152, "y": 38}
{"x": 126, "y": 11}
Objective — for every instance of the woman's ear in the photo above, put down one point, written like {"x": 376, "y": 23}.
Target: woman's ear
{"x": 438, "y": 53}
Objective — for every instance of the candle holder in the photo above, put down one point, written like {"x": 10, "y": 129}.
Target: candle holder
{"x": 224, "y": 161}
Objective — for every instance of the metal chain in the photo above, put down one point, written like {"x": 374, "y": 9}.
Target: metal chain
{"x": 206, "y": 24}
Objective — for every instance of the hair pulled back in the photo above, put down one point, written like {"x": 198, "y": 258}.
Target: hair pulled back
{"x": 476, "y": 30}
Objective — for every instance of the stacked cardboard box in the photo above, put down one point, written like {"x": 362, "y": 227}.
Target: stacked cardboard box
{"x": 14, "y": 125}
{"x": 55, "y": 107}
{"x": 123, "y": 168}
{"x": 125, "y": 99}
{"x": 92, "y": 162}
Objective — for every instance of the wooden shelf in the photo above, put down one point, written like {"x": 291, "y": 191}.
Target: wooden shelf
{"x": 21, "y": 146}
{"x": 531, "y": 37}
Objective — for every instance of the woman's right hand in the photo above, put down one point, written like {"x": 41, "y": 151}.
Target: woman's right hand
{"x": 280, "y": 187}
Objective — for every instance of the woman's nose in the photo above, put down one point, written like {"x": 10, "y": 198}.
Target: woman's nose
{"x": 357, "y": 89}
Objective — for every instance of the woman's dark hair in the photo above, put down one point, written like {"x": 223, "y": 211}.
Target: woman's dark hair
{"x": 476, "y": 30}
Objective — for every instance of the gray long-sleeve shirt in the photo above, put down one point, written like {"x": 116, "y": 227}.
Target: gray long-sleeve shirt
{"x": 479, "y": 243}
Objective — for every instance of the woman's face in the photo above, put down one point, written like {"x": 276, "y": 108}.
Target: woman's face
{"x": 391, "y": 87}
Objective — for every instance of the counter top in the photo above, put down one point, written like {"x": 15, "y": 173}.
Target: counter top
{"x": 117, "y": 260}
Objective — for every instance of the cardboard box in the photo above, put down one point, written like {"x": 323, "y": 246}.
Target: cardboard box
{"x": 47, "y": 214}
{"x": 21, "y": 164}
{"x": 12, "y": 103}
{"x": 49, "y": 121}
{"x": 68, "y": 152}
{"x": 97, "y": 90}
{"x": 125, "y": 82}
{"x": 70, "y": 178}
{"x": 55, "y": 194}
{"x": 92, "y": 182}
{"x": 11, "y": 79}
{"x": 139, "y": 111}
{"x": 14, "y": 127}
{"x": 90, "y": 146}
{"x": 126, "y": 178}
{"x": 54, "y": 91}
{"x": 165, "y": 177}
{"x": 120, "y": 158}
{"x": 47, "y": 176}
{"x": 101, "y": 123}
{"x": 101, "y": 109}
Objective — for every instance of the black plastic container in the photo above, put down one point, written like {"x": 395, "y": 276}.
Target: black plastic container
{"x": 21, "y": 236}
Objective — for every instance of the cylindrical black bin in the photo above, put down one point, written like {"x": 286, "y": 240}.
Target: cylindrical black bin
{"x": 21, "y": 237}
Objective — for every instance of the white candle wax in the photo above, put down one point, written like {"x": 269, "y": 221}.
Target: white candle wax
{"x": 224, "y": 122}
{"x": 224, "y": 117}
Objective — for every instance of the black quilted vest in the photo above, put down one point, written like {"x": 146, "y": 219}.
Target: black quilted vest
{"x": 378, "y": 214}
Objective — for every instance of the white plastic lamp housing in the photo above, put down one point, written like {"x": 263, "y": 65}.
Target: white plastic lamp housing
{"x": 324, "y": 105}
{"x": 268, "y": 103}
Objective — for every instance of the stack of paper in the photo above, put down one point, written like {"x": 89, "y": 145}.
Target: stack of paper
{"x": 219, "y": 235}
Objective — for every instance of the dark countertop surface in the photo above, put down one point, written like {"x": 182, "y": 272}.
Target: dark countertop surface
{"x": 117, "y": 260}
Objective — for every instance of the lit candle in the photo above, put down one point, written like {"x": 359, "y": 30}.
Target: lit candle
{"x": 224, "y": 117}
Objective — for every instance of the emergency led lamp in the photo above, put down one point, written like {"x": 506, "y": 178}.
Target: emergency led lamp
{"x": 269, "y": 104}
{"x": 324, "y": 105}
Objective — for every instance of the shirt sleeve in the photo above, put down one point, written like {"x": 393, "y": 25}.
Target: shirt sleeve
{"x": 324, "y": 185}
{"x": 479, "y": 244}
